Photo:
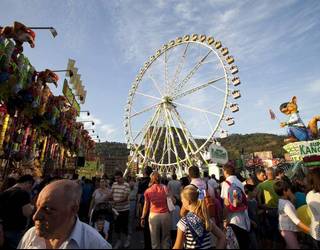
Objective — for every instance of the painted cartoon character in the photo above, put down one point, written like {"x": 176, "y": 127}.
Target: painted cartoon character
{"x": 297, "y": 131}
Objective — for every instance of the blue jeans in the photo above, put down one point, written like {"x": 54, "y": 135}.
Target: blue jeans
{"x": 302, "y": 134}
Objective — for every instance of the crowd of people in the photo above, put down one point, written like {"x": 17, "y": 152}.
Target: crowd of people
{"x": 196, "y": 212}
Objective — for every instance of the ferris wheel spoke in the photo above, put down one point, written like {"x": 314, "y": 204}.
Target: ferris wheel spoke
{"x": 147, "y": 125}
{"x": 165, "y": 147}
{"x": 158, "y": 143}
{"x": 185, "y": 149}
{"x": 150, "y": 140}
{"x": 155, "y": 149}
{"x": 179, "y": 67}
{"x": 202, "y": 86}
{"x": 211, "y": 61}
{"x": 155, "y": 83}
{"x": 171, "y": 135}
{"x": 196, "y": 109}
{"x": 188, "y": 133}
{"x": 207, "y": 118}
{"x": 149, "y": 96}
{"x": 145, "y": 110}
{"x": 187, "y": 138}
{"x": 217, "y": 88}
{"x": 193, "y": 71}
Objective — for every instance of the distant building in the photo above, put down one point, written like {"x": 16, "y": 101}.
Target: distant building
{"x": 111, "y": 164}
{"x": 264, "y": 155}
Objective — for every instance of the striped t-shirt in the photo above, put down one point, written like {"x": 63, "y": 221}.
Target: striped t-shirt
{"x": 118, "y": 193}
{"x": 190, "y": 241}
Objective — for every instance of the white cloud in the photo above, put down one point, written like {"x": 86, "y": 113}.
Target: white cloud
{"x": 314, "y": 87}
{"x": 107, "y": 129}
{"x": 239, "y": 24}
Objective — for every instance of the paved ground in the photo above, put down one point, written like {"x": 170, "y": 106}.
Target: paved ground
{"x": 137, "y": 240}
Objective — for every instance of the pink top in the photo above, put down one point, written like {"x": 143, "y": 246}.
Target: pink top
{"x": 157, "y": 196}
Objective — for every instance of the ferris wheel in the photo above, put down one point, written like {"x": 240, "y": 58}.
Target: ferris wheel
{"x": 181, "y": 100}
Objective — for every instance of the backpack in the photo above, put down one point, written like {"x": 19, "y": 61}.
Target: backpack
{"x": 236, "y": 198}
{"x": 208, "y": 200}
{"x": 210, "y": 204}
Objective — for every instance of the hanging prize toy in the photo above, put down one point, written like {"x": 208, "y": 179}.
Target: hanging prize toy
{"x": 43, "y": 149}
{"x": 24, "y": 140}
{"x": 4, "y": 129}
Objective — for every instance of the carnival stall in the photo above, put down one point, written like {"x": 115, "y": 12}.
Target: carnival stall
{"x": 35, "y": 125}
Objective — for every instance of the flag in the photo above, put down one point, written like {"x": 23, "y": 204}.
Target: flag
{"x": 272, "y": 114}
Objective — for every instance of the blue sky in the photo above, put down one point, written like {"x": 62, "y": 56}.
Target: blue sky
{"x": 275, "y": 45}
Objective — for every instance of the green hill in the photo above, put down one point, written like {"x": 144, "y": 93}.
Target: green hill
{"x": 113, "y": 149}
{"x": 251, "y": 143}
{"x": 234, "y": 144}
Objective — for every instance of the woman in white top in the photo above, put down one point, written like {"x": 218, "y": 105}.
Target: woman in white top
{"x": 313, "y": 201}
{"x": 289, "y": 223}
{"x": 100, "y": 195}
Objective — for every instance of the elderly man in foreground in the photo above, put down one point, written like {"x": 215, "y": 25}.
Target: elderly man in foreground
{"x": 56, "y": 221}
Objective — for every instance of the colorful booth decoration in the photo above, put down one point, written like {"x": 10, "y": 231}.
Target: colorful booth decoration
{"x": 34, "y": 122}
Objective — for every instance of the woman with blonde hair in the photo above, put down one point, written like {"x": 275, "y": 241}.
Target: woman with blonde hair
{"x": 159, "y": 217}
{"x": 194, "y": 229}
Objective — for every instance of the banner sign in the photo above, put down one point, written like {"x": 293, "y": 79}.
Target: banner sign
{"x": 218, "y": 154}
{"x": 67, "y": 91}
{"x": 298, "y": 150}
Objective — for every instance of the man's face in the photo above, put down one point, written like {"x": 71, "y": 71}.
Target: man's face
{"x": 225, "y": 174}
{"x": 51, "y": 214}
{"x": 261, "y": 176}
{"x": 119, "y": 179}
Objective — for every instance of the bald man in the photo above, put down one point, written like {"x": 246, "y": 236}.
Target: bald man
{"x": 56, "y": 221}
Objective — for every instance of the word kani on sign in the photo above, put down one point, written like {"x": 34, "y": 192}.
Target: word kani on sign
{"x": 298, "y": 150}
{"x": 313, "y": 148}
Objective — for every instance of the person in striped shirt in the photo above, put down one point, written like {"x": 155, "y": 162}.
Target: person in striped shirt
{"x": 194, "y": 228}
{"x": 120, "y": 196}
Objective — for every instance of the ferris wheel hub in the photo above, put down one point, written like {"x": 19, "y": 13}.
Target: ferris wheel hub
{"x": 167, "y": 100}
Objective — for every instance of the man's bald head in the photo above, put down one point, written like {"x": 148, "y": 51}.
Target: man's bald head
{"x": 57, "y": 208}
{"x": 66, "y": 191}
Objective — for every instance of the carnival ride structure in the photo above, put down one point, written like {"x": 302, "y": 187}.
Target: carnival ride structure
{"x": 180, "y": 101}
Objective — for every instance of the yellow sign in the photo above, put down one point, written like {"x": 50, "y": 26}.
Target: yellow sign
{"x": 298, "y": 150}
{"x": 67, "y": 91}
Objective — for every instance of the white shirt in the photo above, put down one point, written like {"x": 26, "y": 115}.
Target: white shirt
{"x": 213, "y": 183}
{"x": 296, "y": 121}
{"x": 313, "y": 201}
{"x": 83, "y": 236}
{"x": 100, "y": 195}
{"x": 240, "y": 219}
{"x": 174, "y": 188}
{"x": 201, "y": 184}
{"x": 288, "y": 219}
